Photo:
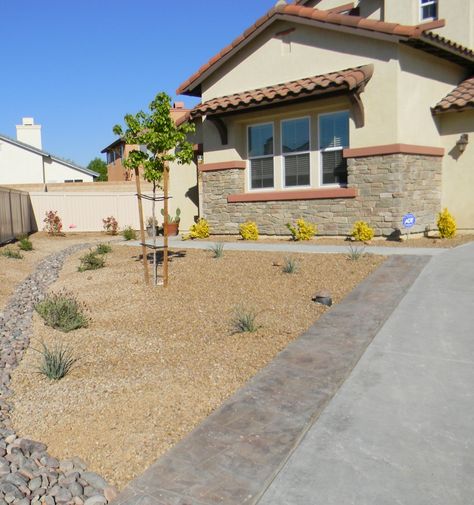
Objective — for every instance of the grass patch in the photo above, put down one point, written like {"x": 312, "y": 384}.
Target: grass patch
{"x": 129, "y": 233}
{"x": 62, "y": 311}
{"x": 8, "y": 252}
{"x": 103, "y": 249}
{"x": 56, "y": 362}
{"x": 24, "y": 243}
{"x": 355, "y": 253}
{"x": 91, "y": 261}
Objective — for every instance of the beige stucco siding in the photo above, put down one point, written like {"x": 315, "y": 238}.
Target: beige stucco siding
{"x": 422, "y": 81}
{"x": 458, "y": 169}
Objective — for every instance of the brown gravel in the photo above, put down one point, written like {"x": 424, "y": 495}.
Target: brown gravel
{"x": 13, "y": 271}
{"x": 155, "y": 362}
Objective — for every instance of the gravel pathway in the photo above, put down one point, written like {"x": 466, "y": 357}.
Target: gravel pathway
{"x": 28, "y": 474}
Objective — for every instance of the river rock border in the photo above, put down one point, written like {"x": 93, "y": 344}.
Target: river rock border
{"x": 28, "y": 474}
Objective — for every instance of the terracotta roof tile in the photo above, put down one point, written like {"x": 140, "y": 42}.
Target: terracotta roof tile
{"x": 344, "y": 80}
{"x": 332, "y": 18}
{"x": 460, "y": 98}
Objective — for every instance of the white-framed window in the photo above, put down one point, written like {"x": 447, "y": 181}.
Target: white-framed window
{"x": 428, "y": 9}
{"x": 333, "y": 138}
{"x": 261, "y": 152}
{"x": 295, "y": 150}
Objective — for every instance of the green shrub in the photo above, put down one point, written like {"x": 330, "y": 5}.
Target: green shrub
{"x": 362, "y": 232}
{"x": 244, "y": 320}
{"x": 217, "y": 249}
{"x": 355, "y": 253}
{"x": 446, "y": 224}
{"x": 249, "y": 230}
{"x": 62, "y": 311}
{"x": 200, "y": 229}
{"x": 302, "y": 230}
{"x": 290, "y": 266}
{"x": 11, "y": 253}
{"x": 91, "y": 261}
{"x": 103, "y": 249}
{"x": 24, "y": 243}
{"x": 56, "y": 362}
{"x": 129, "y": 233}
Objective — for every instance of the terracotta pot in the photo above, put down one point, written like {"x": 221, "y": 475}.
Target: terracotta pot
{"x": 173, "y": 228}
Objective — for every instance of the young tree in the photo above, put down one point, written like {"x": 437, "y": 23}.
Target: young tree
{"x": 164, "y": 142}
{"x": 98, "y": 165}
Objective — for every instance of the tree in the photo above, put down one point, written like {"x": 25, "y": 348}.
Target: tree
{"x": 164, "y": 142}
{"x": 98, "y": 165}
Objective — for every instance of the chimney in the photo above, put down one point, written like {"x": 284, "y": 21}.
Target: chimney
{"x": 29, "y": 132}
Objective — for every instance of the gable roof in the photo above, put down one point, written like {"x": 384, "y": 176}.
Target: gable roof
{"x": 45, "y": 154}
{"x": 350, "y": 79}
{"x": 415, "y": 36}
{"x": 459, "y": 99}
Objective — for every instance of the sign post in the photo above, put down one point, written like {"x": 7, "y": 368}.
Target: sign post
{"x": 408, "y": 221}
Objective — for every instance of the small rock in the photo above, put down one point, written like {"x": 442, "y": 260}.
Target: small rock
{"x": 35, "y": 483}
{"x": 89, "y": 491}
{"x": 11, "y": 490}
{"x": 66, "y": 466}
{"x": 110, "y": 493}
{"x": 77, "y": 500}
{"x": 50, "y": 462}
{"x": 94, "y": 480}
{"x": 63, "y": 496}
{"x": 97, "y": 499}
{"x": 23, "y": 501}
{"x": 76, "y": 489}
{"x": 47, "y": 500}
{"x": 10, "y": 439}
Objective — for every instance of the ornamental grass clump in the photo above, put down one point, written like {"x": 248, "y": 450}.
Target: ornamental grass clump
{"x": 355, "y": 253}
{"x": 201, "y": 229}
{"x": 362, "y": 232}
{"x": 24, "y": 243}
{"x": 91, "y": 261}
{"x": 56, "y": 362}
{"x": 62, "y": 311}
{"x": 217, "y": 249}
{"x": 11, "y": 253}
{"x": 249, "y": 230}
{"x": 303, "y": 230}
{"x": 244, "y": 320}
{"x": 290, "y": 266}
{"x": 446, "y": 224}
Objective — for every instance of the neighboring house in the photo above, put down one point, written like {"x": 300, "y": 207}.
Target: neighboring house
{"x": 22, "y": 161}
{"x": 118, "y": 150}
{"x": 340, "y": 113}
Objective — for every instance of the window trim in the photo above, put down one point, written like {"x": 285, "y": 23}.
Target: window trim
{"x": 331, "y": 149}
{"x": 427, "y": 4}
{"x": 283, "y": 155}
{"x": 249, "y": 158}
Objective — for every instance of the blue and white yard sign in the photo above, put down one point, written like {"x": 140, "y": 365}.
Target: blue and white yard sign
{"x": 408, "y": 220}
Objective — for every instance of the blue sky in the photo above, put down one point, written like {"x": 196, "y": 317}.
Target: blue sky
{"x": 78, "y": 66}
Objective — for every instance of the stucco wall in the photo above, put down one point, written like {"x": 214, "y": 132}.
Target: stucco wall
{"x": 458, "y": 168}
{"x": 388, "y": 187}
{"x": 20, "y": 166}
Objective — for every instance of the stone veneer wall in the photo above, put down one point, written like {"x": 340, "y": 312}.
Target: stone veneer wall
{"x": 388, "y": 186}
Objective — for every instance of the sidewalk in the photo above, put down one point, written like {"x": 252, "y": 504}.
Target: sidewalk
{"x": 287, "y": 246}
{"x": 373, "y": 405}
{"x": 400, "y": 429}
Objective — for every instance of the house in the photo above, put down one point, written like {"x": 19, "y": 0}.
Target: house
{"x": 337, "y": 113}
{"x": 118, "y": 150}
{"x": 23, "y": 161}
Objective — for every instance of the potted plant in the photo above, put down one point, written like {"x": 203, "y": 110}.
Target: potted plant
{"x": 150, "y": 222}
{"x": 173, "y": 222}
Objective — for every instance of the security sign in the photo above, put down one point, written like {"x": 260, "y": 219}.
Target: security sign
{"x": 408, "y": 220}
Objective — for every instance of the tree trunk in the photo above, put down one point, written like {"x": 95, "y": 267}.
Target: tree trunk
{"x": 153, "y": 213}
{"x": 142, "y": 228}
{"x": 165, "y": 225}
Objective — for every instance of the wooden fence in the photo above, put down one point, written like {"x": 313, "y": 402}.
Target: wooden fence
{"x": 16, "y": 214}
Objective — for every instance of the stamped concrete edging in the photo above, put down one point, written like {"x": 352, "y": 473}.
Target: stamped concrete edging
{"x": 234, "y": 455}
{"x": 28, "y": 474}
